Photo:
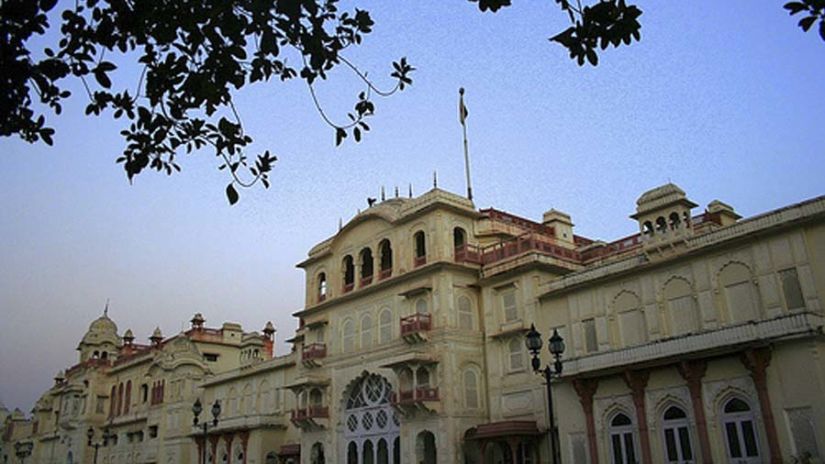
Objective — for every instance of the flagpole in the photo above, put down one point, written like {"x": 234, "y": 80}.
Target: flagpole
{"x": 466, "y": 149}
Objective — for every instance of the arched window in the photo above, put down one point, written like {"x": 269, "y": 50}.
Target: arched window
{"x": 420, "y": 248}
{"x": 316, "y": 456}
{"x": 425, "y": 451}
{"x": 366, "y": 266}
{"x": 647, "y": 229}
{"x": 368, "y": 419}
{"x": 322, "y": 286}
{"x": 678, "y": 449}
{"x": 113, "y": 401}
{"x": 516, "y": 354}
{"x": 105, "y": 355}
{"x": 740, "y": 431}
{"x": 632, "y": 326}
{"x": 405, "y": 379}
{"x": 349, "y": 336}
{"x": 675, "y": 222}
{"x": 144, "y": 393}
{"x": 366, "y": 332}
{"x": 96, "y": 355}
{"x": 421, "y": 306}
{"x": 248, "y": 400}
{"x": 470, "y": 389}
{"x": 459, "y": 238}
{"x": 316, "y": 398}
{"x": 385, "y": 326}
{"x": 622, "y": 440}
{"x": 735, "y": 279}
{"x": 661, "y": 225}
{"x": 466, "y": 320}
{"x": 385, "y": 249}
{"x": 120, "y": 398}
{"x": 683, "y": 315}
{"x": 128, "y": 398}
{"x": 349, "y": 273}
{"x": 422, "y": 377}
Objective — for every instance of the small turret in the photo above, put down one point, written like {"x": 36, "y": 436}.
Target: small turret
{"x": 59, "y": 379}
{"x": 198, "y": 321}
{"x": 128, "y": 337}
{"x": 664, "y": 215}
{"x": 156, "y": 338}
{"x": 269, "y": 339}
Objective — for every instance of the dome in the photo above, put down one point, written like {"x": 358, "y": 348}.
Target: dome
{"x": 661, "y": 197}
{"x": 101, "y": 330}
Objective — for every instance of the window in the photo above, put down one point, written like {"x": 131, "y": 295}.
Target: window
{"x": 470, "y": 389}
{"x": 420, "y": 248}
{"x": 661, "y": 225}
{"x": 590, "y": 342}
{"x": 516, "y": 353}
{"x": 385, "y": 326}
{"x": 791, "y": 289}
{"x": 210, "y": 357}
{"x": 386, "y": 258}
{"x": 366, "y": 332}
{"x": 622, "y": 440}
{"x": 119, "y": 399}
{"x": 144, "y": 393}
{"x": 459, "y": 238}
{"x": 632, "y": 326}
{"x": 128, "y": 399}
{"x": 678, "y": 448}
{"x": 322, "y": 286}
{"x": 803, "y": 431}
{"x": 349, "y": 336}
{"x": 508, "y": 304}
{"x": 421, "y": 306}
{"x": 674, "y": 220}
{"x": 366, "y": 266}
{"x": 465, "y": 313}
{"x": 349, "y": 273}
{"x": 153, "y": 431}
{"x": 740, "y": 431}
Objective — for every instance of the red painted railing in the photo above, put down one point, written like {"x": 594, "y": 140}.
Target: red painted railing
{"x": 501, "y": 216}
{"x": 314, "y": 351}
{"x": 419, "y": 261}
{"x": 384, "y": 273}
{"x": 366, "y": 280}
{"x": 416, "y": 395}
{"x": 348, "y": 287}
{"x": 311, "y": 412}
{"x": 416, "y": 323}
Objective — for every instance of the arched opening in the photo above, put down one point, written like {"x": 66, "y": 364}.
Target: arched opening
{"x": 322, "y": 286}
{"x": 459, "y": 239}
{"x": 422, "y": 377}
{"x": 385, "y": 248}
{"x": 349, "y": 273}
{"x": 739, "y": 426}
{"x": 470, "y": 389}
{"x": 622, "y": 439}
{"x": 740, "y": 294}
{"x": 366, "y": 266}
{"x": 632, "y": 325}
{"x": 425, "y": 452}
{"x": 421, "y": 306}
{"x": 383, "y": 454}
{"x": 366, "y": 332}
{"x": 678, "y": 449}
{"x": 316, "y": 455}
{"x": 405, "y": 379}
{"x": 369, "y": 453}
{"x": 271, "y": 458}
{"x": 128, "y": 399}
{"x": 466, "y": 319}
{"x": 349, "y": 336}
{"x": 144, "y": 393}
{"x": 647, "y": 229}
{"x": 96, "y": 355}
{"x": 120, "y": 399}
{"x": 352, "y": 453}
{"x": 385, "y": 326}
{"x": 675, "y": 222}
{"x": 420, "y": 248}
{"x": 661, "y": 225}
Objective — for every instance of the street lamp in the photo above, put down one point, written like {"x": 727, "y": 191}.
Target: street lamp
{"x": 90, "y": 435}
{"x": 197, "y": 409}
{"x": 23, "y": 450}
{"x": 556, "y": 348}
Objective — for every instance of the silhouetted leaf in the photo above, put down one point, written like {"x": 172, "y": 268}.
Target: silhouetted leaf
{"x": 231, "y": 194}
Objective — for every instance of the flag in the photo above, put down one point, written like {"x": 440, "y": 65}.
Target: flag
{"x": 462, "y": 110}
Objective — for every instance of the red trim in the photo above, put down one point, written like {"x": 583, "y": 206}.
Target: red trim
{"x": 757, "y": 361}
{"x": 586, "y": 388}
{"x": 693, "y": 372}
{"x": 637, "y": 382}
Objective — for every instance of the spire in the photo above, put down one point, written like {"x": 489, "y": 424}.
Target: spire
{"x": 106, "y": 309}
{"x": 462, "y": 118}
{"x": 435, "y": 179}
{"x": 383, "y": 195}
{"x": 340, "y": 223}
{"x": 410, "y": 190}
{"x": 396, "y": 191}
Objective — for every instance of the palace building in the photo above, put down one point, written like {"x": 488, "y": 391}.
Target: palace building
{"x": 697, "y": 340}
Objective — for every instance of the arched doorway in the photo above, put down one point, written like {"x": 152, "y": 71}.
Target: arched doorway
{"x": 425, "y": 448}
{"x": 371, "y": 426}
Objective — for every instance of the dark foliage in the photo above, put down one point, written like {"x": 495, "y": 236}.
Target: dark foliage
{"x": 815, "y": 10}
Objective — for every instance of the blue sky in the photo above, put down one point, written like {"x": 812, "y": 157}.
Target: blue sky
{"x": 726, "y": 99}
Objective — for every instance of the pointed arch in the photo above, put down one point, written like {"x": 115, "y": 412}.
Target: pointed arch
{"x": 627, "y": 307}
{"x": 735, "y": 284}
{"x": 680, "y": 305}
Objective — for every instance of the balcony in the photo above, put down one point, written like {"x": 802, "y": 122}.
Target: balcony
{"x": 365, "y": 281}
{"x": 384, "y": 274}
{"x": 414, "y": 328}
{"x": 312, "y": 354}
{"x": 310, "y": 417}
{"x": 348, "y": 287}
{"x": 419, "y": 261}
{"x": 408, "y": 402}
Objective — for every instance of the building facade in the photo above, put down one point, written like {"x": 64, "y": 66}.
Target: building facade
{"x": 697, "y": 340}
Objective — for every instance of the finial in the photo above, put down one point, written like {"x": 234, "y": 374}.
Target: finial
{"x": 435, "y": 179}
{"x": 461, "y": 90}
{"x": 383, "y": 195}
{"x": 396, "y": 191}
{"x": 410, "y": 190}
{"x": 340, "y": 223}
{"x": 106, "y": 309}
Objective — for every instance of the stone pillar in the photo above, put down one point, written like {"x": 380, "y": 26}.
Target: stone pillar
{"x": 693, "y": 372}
{"x": 586, "y": 388}
{"x": 201, "y": 443}
{"x": 227, "y": 439}
{"x": 757, "y": 361}
{"x": 637, "y": 382}
{"x": 213, "y": 441}
{"x": 244, "y": 436}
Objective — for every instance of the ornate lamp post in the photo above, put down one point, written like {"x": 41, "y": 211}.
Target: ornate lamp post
{"x": 23, "y": 450}
{"x": 197, "y": 409}
{"x": 90, "y": 435}
{"x": 556, "y": 347}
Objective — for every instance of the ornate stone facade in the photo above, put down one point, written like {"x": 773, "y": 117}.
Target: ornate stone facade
{"x": 697, "y": 340}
